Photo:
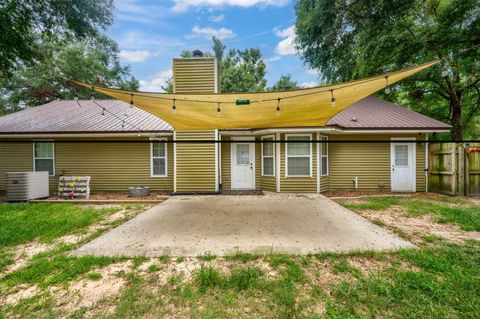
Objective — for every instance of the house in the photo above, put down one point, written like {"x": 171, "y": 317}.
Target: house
{"x": 120, "y": 145}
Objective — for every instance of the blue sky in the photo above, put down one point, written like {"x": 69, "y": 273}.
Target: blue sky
{"x": 151, "y": 33}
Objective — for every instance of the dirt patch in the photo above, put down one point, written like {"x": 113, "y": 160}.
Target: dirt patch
{"x": 23, "y": 292}
{"x": 87, "y": 293}
{"x": 122, "y": 196}
{"x": 417, "y": 227}
{"x": 23, "y": 252}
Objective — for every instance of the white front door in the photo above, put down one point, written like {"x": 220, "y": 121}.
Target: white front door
{"x": 243, "y": 165}
{"x": 403, "y": 167}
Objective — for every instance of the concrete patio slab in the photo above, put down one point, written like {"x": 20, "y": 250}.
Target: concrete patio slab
{"x": 196, "y": 225}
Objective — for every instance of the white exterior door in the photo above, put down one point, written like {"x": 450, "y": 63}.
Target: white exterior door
{"x": 243, "y": 165}
{"x": 403, "y": 167}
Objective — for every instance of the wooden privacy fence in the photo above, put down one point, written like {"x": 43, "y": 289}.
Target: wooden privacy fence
{"x": 454, "y": 169}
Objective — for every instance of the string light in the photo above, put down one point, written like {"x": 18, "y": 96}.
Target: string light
{"x": 174, "y": 107}
{"x": 139, "y": 134}
{"x": 103, "y": 111}
{"x": 332, "y": 99}
{"x": 218, "y": 109}
{"x": 123, "y": 124}
{"x": 131, "y": 100}
{"x": 387, "y": 87}
{"x": 278, "y": 107}
{"x": 92, "y": 98}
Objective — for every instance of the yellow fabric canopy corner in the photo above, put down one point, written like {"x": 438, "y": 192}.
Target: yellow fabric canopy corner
{"x": 310, "y": 107}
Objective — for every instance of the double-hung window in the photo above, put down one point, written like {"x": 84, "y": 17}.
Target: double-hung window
{"x": 158, "y": 159}
{"x": 324, "y": 155}
{"x": 298, "y": 155}
{"x": 44, "y": 157}
{"x": 268, "y": 156}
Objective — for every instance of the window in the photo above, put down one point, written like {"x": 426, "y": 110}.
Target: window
{"x": 299, "y": 155}
{"x": 43, "y": 157}
{"x": 324, "y": 155}
{"x": 159, "y": 159}
{"x": 401, "y": 155}
{"x": 268, "y": 156}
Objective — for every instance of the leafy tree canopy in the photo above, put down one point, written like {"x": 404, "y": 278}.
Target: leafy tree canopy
{"x": 90, "y": 61}
{"x": 25, "y": 24}
{"x": 348, "y": 40}
{"x": 285, "y": 83}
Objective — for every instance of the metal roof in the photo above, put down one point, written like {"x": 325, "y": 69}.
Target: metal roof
{"x": 375, "y": 113}
{"x": 67, "y": 117}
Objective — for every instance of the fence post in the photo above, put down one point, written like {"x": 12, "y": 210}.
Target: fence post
{"x": 467, "y": 171}
{"x": 461, "y": 170}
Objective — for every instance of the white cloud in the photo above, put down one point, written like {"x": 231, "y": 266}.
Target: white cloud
{"x": 287, "y": 45}
{"x": 273, "y": 58}
{"x": 308, "y": 84}
{"x": 184, "y": 5}
{"x": 156, "y": 81}
{"x": 135, "y": 55}
{"x": 208, "y": 33}
{"x": 313, "y": 71}
{"x": 218, "y": 18}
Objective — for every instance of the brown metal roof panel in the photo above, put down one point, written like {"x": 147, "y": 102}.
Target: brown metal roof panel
{"x": 68, "y": 116}
{"x": 372, "y": 112}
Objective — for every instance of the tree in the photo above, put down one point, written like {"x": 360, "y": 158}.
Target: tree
{"x": 90, "y": 61}
{"x": 25, "y": 24}
{"x": 348, "y": 40}
{"x": 285, "y": 83}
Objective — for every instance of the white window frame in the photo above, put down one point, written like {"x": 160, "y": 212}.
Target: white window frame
{"x": 157, "y": 157}
{"x": 270, "y": 156}
{"x": 322, "y": 173}
{"x": 287, "y": 156}
{"x": 49, "y": 158}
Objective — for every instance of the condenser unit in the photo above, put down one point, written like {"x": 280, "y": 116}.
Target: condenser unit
{"x": 24, "y": 186}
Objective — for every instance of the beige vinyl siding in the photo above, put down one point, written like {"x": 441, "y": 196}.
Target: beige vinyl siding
{"x": 195, "y": 75}
{"x": 420, "y": 167}
{"x": 324, "y": 183}
{"x": 298, "y": 184}
{"x": 112, "y": 166}
{"x": 226, "y": 159}
{"x": 370, "y": 162}
{"x": 195, "y": 162}
{"x": 14, "y": 157}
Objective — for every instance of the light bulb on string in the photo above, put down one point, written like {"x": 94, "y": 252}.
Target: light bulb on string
{"x": 123, "y": 124}
{"x": 103, "y": 111}
{"x": 174, "y": 107}
{"x": 387, "y": 87}
{"x": 131, "y": 100}
{"x": 218, "y": 109}
{"x": 278, "y": 107}
{"x": 139, "y": 134}
{"x": 332, "y": 99}
{"x": 92, "y": 98}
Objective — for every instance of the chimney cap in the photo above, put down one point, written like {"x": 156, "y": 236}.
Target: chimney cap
{"x": 197, "y": 54}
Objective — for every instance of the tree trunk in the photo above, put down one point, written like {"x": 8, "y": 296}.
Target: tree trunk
{"x": 456, "y": 107}
{"x": 456, "y": 119}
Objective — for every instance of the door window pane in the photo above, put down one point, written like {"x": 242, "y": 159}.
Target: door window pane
{"x": 243, "y": 154}
{"x": 401, "y": 155}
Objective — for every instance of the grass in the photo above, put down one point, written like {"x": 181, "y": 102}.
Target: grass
{"x": 467, "y": 216}
{"x": 436, "y": 280}
{"x": 22, "y": 223}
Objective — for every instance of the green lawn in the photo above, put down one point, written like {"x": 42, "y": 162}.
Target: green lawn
{"x": 22, "y": 223}
{"x": 444, "y": 209}
{"x": 439, "y": 279}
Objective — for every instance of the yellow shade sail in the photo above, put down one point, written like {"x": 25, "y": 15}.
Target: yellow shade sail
{"x": 310, "y": 107}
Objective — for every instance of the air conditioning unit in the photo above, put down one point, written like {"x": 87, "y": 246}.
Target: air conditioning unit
{"x": 24, "y": 186}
